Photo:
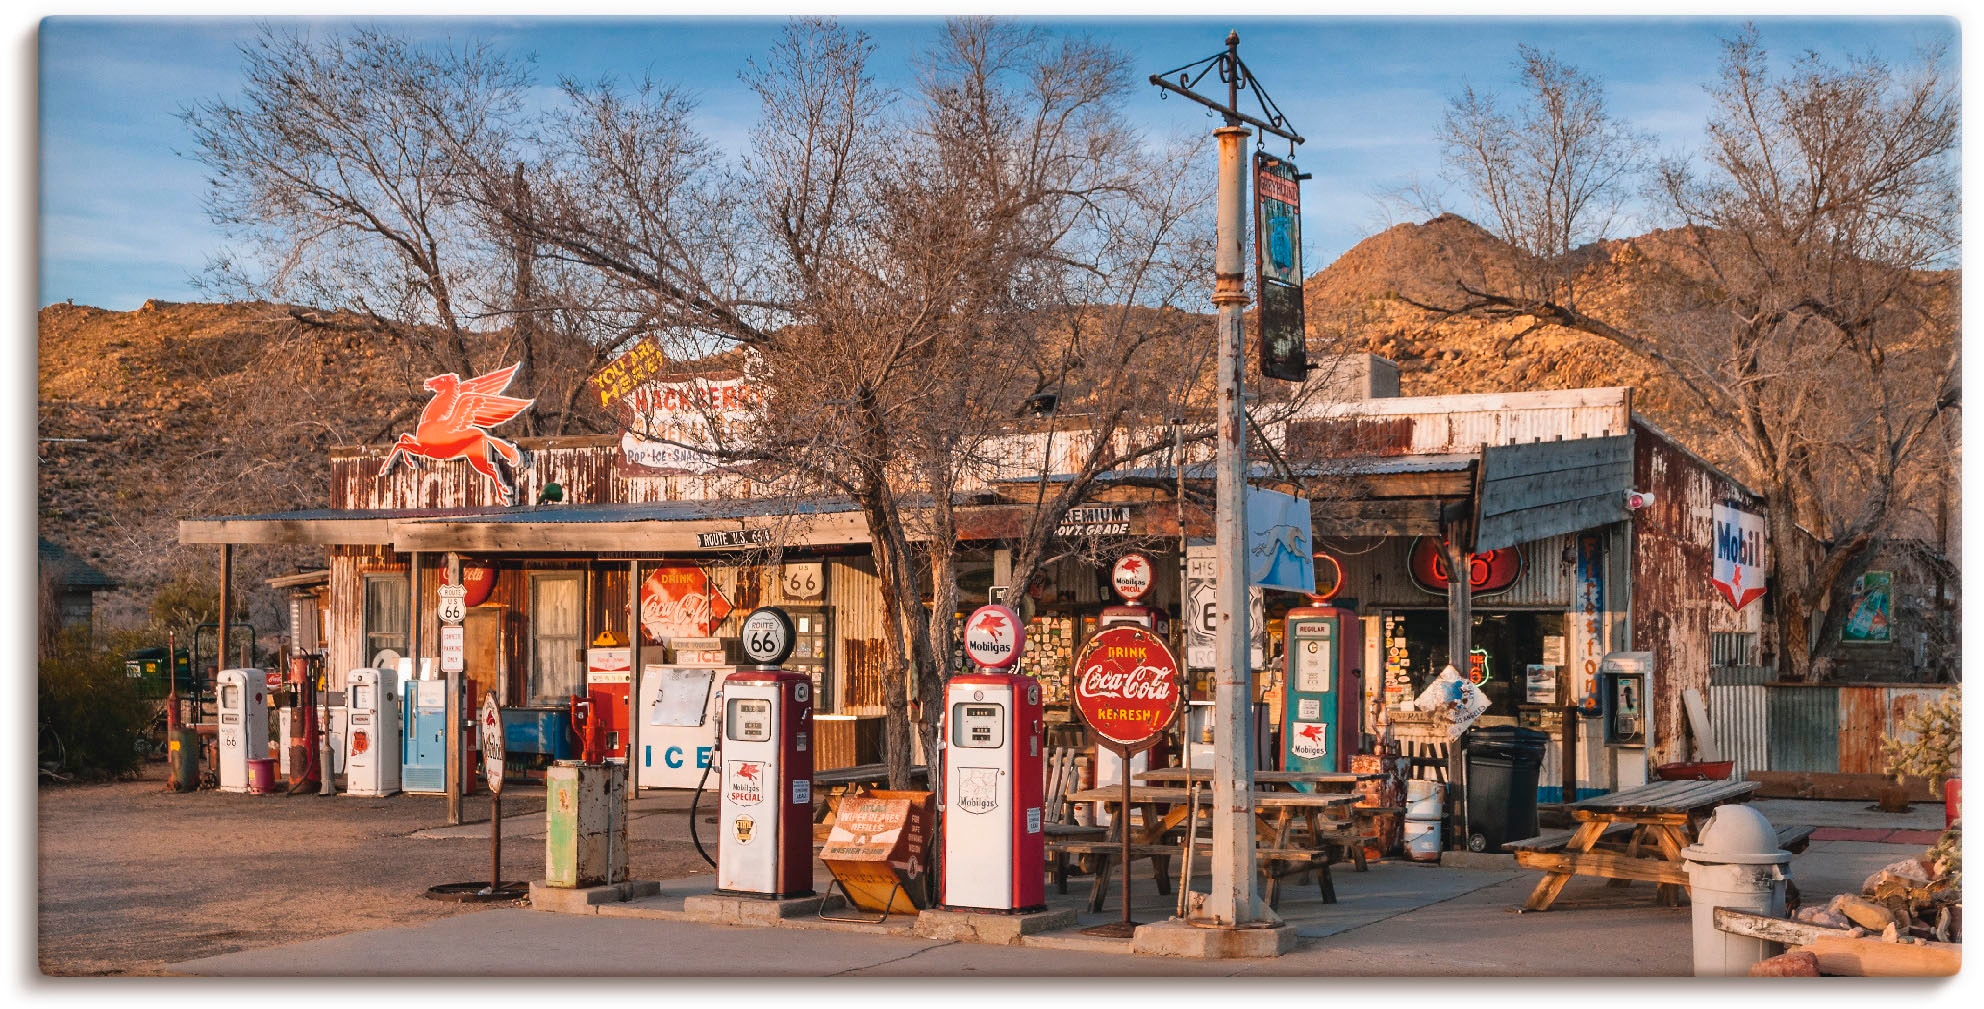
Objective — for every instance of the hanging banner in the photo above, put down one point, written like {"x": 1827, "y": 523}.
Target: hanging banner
{"x": 1284, "y": 347}
{"x": 1587, "y": 630}
{"x": 455, "y": 425}
{"x": 680, "y": 602}
{"x": 674, "y": 422}
{"x": 1739, "y": 555}
{"x": 1278, "y": 554}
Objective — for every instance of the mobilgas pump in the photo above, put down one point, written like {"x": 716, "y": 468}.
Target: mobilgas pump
{"x": 765, "y": 814}
{"x": 994, "y": 846}
{"x": 372, "y": 734}
{"x": 243, "y": 706}
{"x": 1321, "y": 693}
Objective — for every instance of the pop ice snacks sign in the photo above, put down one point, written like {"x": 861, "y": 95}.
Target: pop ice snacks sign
{"x": 1131, "y": 577}
{"x": 1127, "y": 686}
{"x": 994, "y": 637}
{"x": 674, "y": 421}
{"x": 1739, "y": 555}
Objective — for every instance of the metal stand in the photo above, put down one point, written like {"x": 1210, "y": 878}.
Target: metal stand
{"x": 890, "y": 901}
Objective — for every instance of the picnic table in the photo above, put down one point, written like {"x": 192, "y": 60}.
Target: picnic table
{"x": 1323, "y": 781}
{"x": 1637, "y": 833}
{"x": 1280, "y": 848}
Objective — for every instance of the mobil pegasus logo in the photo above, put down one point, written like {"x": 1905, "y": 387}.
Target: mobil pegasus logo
{"x": 993, "y": 636}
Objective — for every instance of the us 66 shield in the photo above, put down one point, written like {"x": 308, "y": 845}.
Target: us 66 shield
{"x": 768, "y": 636}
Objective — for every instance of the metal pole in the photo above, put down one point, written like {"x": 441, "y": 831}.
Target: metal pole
{"x": 226, "y": 610}
{"x": 1232, "y": 900}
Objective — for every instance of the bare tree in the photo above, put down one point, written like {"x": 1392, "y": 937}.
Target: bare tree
{"x": 1809, "y": 299}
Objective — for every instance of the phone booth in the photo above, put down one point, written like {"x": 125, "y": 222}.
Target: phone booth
{"x": 609, "y": 678}
{"x": 372, "y": 733}
{"x": 765, "y": 817}
{"x": 424, "y": 743}
{"x": 242, "y": 699}
{"x": 994, "y": 846}
{"x": 1622, "y": 683}
{"x": 1321, "y": 699}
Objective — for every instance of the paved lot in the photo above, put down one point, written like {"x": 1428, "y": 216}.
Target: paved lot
{"x": 137, "y": 881}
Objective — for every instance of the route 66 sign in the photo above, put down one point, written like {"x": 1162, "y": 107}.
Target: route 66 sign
{"x": 767, "y": 635}
{"x": 453, "y": 608}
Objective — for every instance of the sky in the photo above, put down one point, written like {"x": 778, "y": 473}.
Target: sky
{"x": 119, "y": 199}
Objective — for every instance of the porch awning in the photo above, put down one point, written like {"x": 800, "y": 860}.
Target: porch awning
{"x": 670, "y": 526}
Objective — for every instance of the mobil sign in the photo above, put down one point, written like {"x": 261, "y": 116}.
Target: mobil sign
{"x": 1738, "y": 546}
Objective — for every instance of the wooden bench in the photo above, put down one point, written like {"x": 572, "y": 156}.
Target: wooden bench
{"x": 1555, "y": 840}
{"x": 1794, "y": 839}
{"x": 1105, "y": 853}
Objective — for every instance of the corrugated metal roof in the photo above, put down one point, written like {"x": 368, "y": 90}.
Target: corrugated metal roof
{"x": 70, "y": 570}
{"x": 657, "y": 511}
{"x": 1350, "y": 466}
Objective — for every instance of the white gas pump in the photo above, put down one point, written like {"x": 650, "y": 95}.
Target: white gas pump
{"x": 243, "y": 706}
{"x": 765, "y": 815}
{"x": 994, "y": 845}
{"x": 372, "y": 733}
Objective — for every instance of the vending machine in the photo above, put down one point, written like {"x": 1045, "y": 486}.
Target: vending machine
{"x": 994, "y": 844}
{"x": 765, "y": 815}
{"x": 242, "y": 700}
{"x": 678, "y": 712}
{"x": 372, "y": 734}
{"x": 1322, "y": 695}
{"x": 609, "y": 679}
{"x": 424, "y": 743}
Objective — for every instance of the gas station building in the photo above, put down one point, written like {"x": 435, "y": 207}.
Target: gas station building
{"x": 634, "y": 572}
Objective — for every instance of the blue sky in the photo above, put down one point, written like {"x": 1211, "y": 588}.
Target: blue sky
{"x": 119, "y": 203}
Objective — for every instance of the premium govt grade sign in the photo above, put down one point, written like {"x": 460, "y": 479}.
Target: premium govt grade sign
{"x": 1127, "y": 686}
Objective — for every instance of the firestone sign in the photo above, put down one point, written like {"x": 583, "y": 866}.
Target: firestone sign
{"x": 1739, "y": 555}
{"x": 1127, "y": 686}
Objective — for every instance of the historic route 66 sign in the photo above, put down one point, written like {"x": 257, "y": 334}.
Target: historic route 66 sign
{"x": 453, "y": 607}
{"x": 768, "y": 636}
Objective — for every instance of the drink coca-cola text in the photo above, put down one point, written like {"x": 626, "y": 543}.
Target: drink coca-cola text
{"x": 1141, "y": 683}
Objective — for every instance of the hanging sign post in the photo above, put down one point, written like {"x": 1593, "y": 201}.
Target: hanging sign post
{"x": 489, "y": 726}
{"x": 1128, "y": 690}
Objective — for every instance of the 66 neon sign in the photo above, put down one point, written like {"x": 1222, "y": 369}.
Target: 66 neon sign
{"x": 1487, "y": 573}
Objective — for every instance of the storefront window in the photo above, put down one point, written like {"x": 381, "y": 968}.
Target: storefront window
{"x": 1510, "y": 647}
{"x": 556, "y": 635}
{"x": 385, "y": 615}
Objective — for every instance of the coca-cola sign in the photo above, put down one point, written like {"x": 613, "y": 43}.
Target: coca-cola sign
{"x": 994, "y": 636}
{"x": 1127, "y": 686}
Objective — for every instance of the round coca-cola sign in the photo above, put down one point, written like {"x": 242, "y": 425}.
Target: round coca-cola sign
{"x": 1127, "y": 686}
{"x": 994, "y": 637}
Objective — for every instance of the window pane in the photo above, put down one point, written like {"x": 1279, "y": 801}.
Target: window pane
{"x": 555, "y": 617}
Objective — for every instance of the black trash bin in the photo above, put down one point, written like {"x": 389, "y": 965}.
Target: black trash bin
{"x": 1502, "y": 764}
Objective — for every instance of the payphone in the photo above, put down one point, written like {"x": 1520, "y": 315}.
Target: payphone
{"x": 424, "y": 743}
{"x": 765, "y": 815}
{"x": 372, "y": 733}
{"x": 609, "y": 680}
{"x": 242, "y": 703}
{"x": 1321, "y": 695}
{"x": 994, "y": 844}
{"x": 1622, "y": 684}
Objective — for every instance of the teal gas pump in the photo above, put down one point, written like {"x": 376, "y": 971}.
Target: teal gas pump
{"x": 1321, "y": 688}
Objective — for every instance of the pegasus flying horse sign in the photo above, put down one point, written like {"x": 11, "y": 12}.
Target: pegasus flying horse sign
{"x": 455, "y": 425}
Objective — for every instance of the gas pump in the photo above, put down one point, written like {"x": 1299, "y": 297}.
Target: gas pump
{"x": 994, "y": 846}
{"x": 423, "y": 752}
{"x": 1321, "y": 695}
{"x": 609, "y": 678}
{"x": 300, "y": 763}
{"x": 765, "y": 814}
{"x": 243, "y": 706}
{"x": 372, "y": 734}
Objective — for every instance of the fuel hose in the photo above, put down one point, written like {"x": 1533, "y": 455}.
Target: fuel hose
{"x": 698, "y": 797}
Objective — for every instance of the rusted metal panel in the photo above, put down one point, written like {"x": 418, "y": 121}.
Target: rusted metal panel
{"x": 1804, "y": 726}
{"x": 855, "y": 594}
{"x": 1738, "y": 706}
{"x": 1465, "y": 423}
{"x": 1863, "y": 716}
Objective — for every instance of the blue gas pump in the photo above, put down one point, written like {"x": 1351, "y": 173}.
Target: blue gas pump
{"x": 1321, "y": 688}
{"x": 424, "y": 745}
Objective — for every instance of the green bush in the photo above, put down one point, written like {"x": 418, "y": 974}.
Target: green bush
{"x": 91, "y": 720}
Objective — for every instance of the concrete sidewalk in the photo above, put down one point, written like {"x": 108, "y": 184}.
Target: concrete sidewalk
{"x": 1398, "y": 919}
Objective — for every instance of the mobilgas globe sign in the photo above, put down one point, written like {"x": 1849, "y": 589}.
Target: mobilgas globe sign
{"x": 994, "y": 637}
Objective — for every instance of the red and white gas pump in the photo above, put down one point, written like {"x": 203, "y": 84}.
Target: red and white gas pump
{"x": 609, "y": 679}
{"x": 994, "y": 845}
{"x": 765, "y": 815}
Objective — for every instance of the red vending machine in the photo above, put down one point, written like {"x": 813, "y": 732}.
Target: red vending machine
{"x": 609, "y": 683}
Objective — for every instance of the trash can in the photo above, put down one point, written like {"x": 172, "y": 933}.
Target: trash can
{"x": 1736, "y": 864}
{"x": 261, "y": 776}
{"x": 1502, "y": 764}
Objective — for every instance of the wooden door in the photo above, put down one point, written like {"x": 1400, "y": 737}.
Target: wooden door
{"x": 482, "y": 657}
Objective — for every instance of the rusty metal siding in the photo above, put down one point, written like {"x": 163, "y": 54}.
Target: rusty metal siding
{"x": 1445, "y": 424}
{"x": 1675, "y": 610}
{"x": 589, "y": 470}
{"x": 1804, "y": 726}
{"x": 855, "y": 593}
{"x": 1739, "y": 709}
{"x": 1862, "y": 720}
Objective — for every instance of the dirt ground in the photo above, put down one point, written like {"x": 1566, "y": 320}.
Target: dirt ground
{"x": 131, "y": 877}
